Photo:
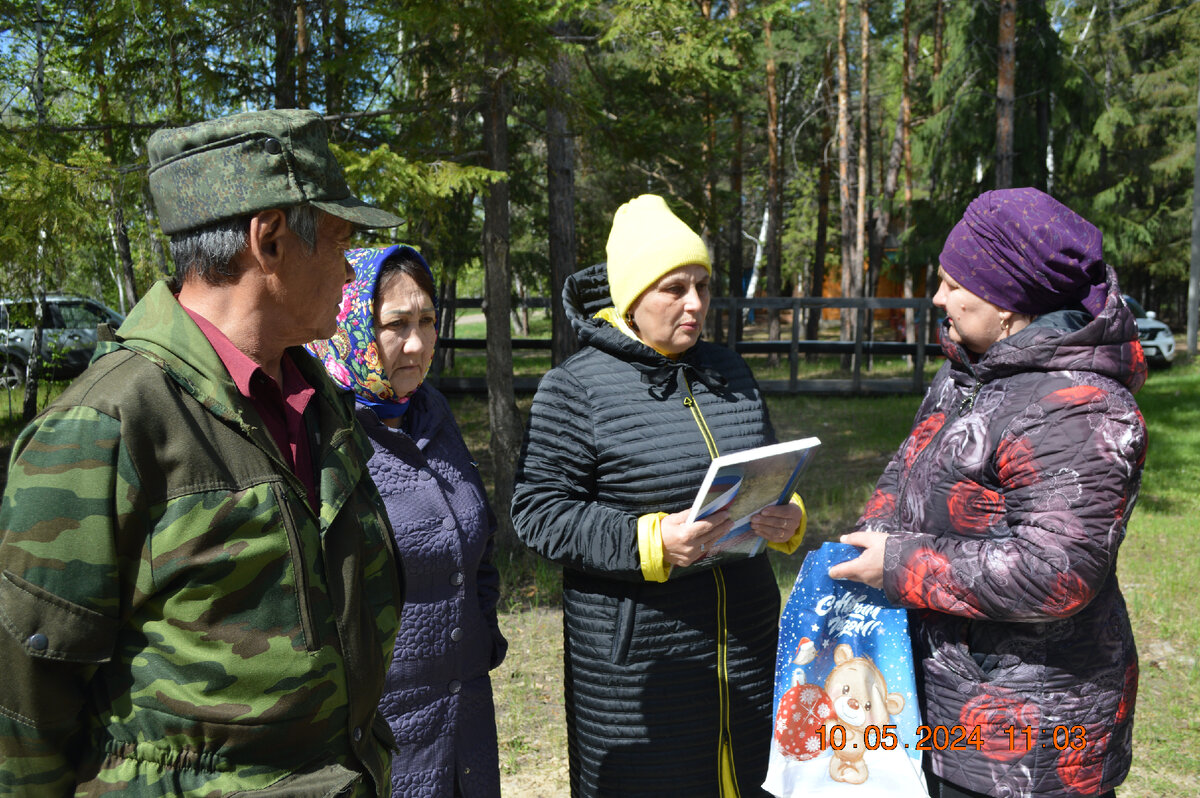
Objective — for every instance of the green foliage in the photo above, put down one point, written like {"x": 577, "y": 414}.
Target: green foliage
{"x": 1106, "y": 94}
{"x": 407, "y": 187}
{"x": 675, "y": 44}
{"x": 44, "y": 204}
{"x": 1127, "y": 141}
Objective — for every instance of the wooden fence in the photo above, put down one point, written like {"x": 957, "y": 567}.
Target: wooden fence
{"x": 793, "y": 347}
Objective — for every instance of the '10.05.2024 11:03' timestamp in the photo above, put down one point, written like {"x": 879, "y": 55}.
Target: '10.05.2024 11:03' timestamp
{"x": 955, "y": 738}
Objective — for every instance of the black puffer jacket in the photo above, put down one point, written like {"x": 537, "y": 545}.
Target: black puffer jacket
{"x": 663, "y": 679}
{"x": 1009, "y": 500}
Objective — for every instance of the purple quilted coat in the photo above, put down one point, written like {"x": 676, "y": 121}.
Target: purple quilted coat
{"x": 1009, "y": 500}
{"x": 438, "y": 697}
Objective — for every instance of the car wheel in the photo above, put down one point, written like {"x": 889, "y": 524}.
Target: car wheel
{"x": 12, "y": 374}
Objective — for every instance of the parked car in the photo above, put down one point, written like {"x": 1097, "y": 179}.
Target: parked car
{"x": 68, "y": 335}
{"x": 1157, "y": 341}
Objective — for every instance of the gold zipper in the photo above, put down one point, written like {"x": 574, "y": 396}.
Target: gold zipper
{"x": 690, "y": 403}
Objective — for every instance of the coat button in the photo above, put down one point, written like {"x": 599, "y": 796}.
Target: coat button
{"x": 454, "y": 687}
{"x": 425, "y": 476}
{"x": 456, "y": 634}
{"x": 457, "y": 578}
{"x": 38, "y": 641}
{"x": 448, "y": 523}
{"x": 357, "y": 733}
{"x": 272, "y": 146}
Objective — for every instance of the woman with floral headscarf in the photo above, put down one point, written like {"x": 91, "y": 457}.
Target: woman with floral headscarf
{"x": 999, "y": 519}
{"x": 438, "y": 696}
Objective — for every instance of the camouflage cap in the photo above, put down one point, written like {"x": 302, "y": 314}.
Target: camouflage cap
{"x": 245, "y": 163}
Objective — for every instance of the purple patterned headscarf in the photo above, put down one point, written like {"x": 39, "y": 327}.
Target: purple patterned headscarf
{"x": 1023, "y": 250}
{"x": 352, "y": 355}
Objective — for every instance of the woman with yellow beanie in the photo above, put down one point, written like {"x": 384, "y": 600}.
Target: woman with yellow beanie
{"x": 669, "y": 652}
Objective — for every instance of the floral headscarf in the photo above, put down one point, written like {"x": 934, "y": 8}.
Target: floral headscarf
{"x": 352, "y": 355}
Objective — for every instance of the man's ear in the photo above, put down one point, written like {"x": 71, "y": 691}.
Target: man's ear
{"x": 267, "y": 239}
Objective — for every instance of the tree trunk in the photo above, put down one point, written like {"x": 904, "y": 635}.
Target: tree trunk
{"x": 284, "y": 19}
{"x": 1193, "y": 294}
{"x": 911, "y": 42}
{"x": 736, "y": 277}
{"x": 156, "y": 242}
{"x": 334, "y": 22}
{"x": 443, "y": 356}
{"x": 120, "y": 241}
{"x": 118, "y": 232}
{"x": 33, "y": 366}
{"x": 939, "y": 50}
{"x": 861, "y": 229}
{"x": 845, "y": 177}
{"x": 939, "y": 37}
{"x": 708, "y": 223}
{"x": 864, "y": 242}
{"x": 560, "y": 169}
{"x": 505, "y": 421}
{"x": 1006, "y": 73}
{"x": 774, "y": 195}
{"x": 737, "y": 268}
{"x": 173, "y": 59}
{"x": 813, "y": 329}
{"x": 301, "y": 55}
{"x": 460, "y": 208}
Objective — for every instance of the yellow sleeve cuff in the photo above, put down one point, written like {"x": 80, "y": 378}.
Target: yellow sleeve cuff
{"x": 650, "y": 548}
{"x": 791, "y": 544}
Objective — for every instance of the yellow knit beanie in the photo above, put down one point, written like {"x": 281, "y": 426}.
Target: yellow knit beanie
{"x": 646, "y": 242}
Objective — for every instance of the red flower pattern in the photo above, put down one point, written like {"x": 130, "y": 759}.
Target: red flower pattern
{"x": 1068, "y": 594}
{"x": 921, "y": 435}
{"x": 1128, "y": 693}
{"x": 1015, "y": 464}
{"x": 992, "y": 714}
{"x": 881, "y": 505}
{"x": 1138, "y": 360}
{"x": 1078, "y": 395}
{"x": 1081, "y": 769}
{"x": 926, "y": 582}
{"x": 973, "y": 508}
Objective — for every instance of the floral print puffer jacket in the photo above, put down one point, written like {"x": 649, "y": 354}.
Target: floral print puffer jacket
{"x": 1008, "y": 502}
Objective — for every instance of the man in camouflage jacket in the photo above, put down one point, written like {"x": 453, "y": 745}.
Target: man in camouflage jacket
{"x": 185, "y": 609}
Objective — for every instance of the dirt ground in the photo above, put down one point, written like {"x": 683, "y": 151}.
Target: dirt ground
{"x": 529, "y": 706}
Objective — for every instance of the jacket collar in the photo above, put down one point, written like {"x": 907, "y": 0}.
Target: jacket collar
{"x": 1067, "y": 340}
{"x": 159, "y": 329}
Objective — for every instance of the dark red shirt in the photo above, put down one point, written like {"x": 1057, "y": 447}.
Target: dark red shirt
{"x": 280, "y": 407}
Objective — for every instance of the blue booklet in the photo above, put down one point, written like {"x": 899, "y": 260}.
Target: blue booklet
{"x": 744, "y": 483}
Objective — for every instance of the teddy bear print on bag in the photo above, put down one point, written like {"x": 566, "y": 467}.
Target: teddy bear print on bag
{"x": 845, "y": 709}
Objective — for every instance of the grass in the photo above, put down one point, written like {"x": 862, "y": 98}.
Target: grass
{"x": 1160, "y": 572}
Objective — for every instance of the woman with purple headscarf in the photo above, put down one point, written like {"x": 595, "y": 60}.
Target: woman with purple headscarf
{"x": 438, "y": 696}
{"x": 998, "y": 521}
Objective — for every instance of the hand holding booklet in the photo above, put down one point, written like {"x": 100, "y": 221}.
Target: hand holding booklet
{"x": 744, "y": 483}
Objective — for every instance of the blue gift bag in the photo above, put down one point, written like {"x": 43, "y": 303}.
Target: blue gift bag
{"x": 845, "y": 709}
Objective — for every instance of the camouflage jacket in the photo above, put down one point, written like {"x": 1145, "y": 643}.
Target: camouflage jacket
{"x": 174, "y": 617}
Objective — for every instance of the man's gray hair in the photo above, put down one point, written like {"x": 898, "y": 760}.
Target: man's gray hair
{"x": 208, "y": 252}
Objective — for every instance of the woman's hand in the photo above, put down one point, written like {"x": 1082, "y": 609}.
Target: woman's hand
{"x": 684, "y": 543}
{"x": 866, "y": 567}
{"x": 776, "y": 523}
